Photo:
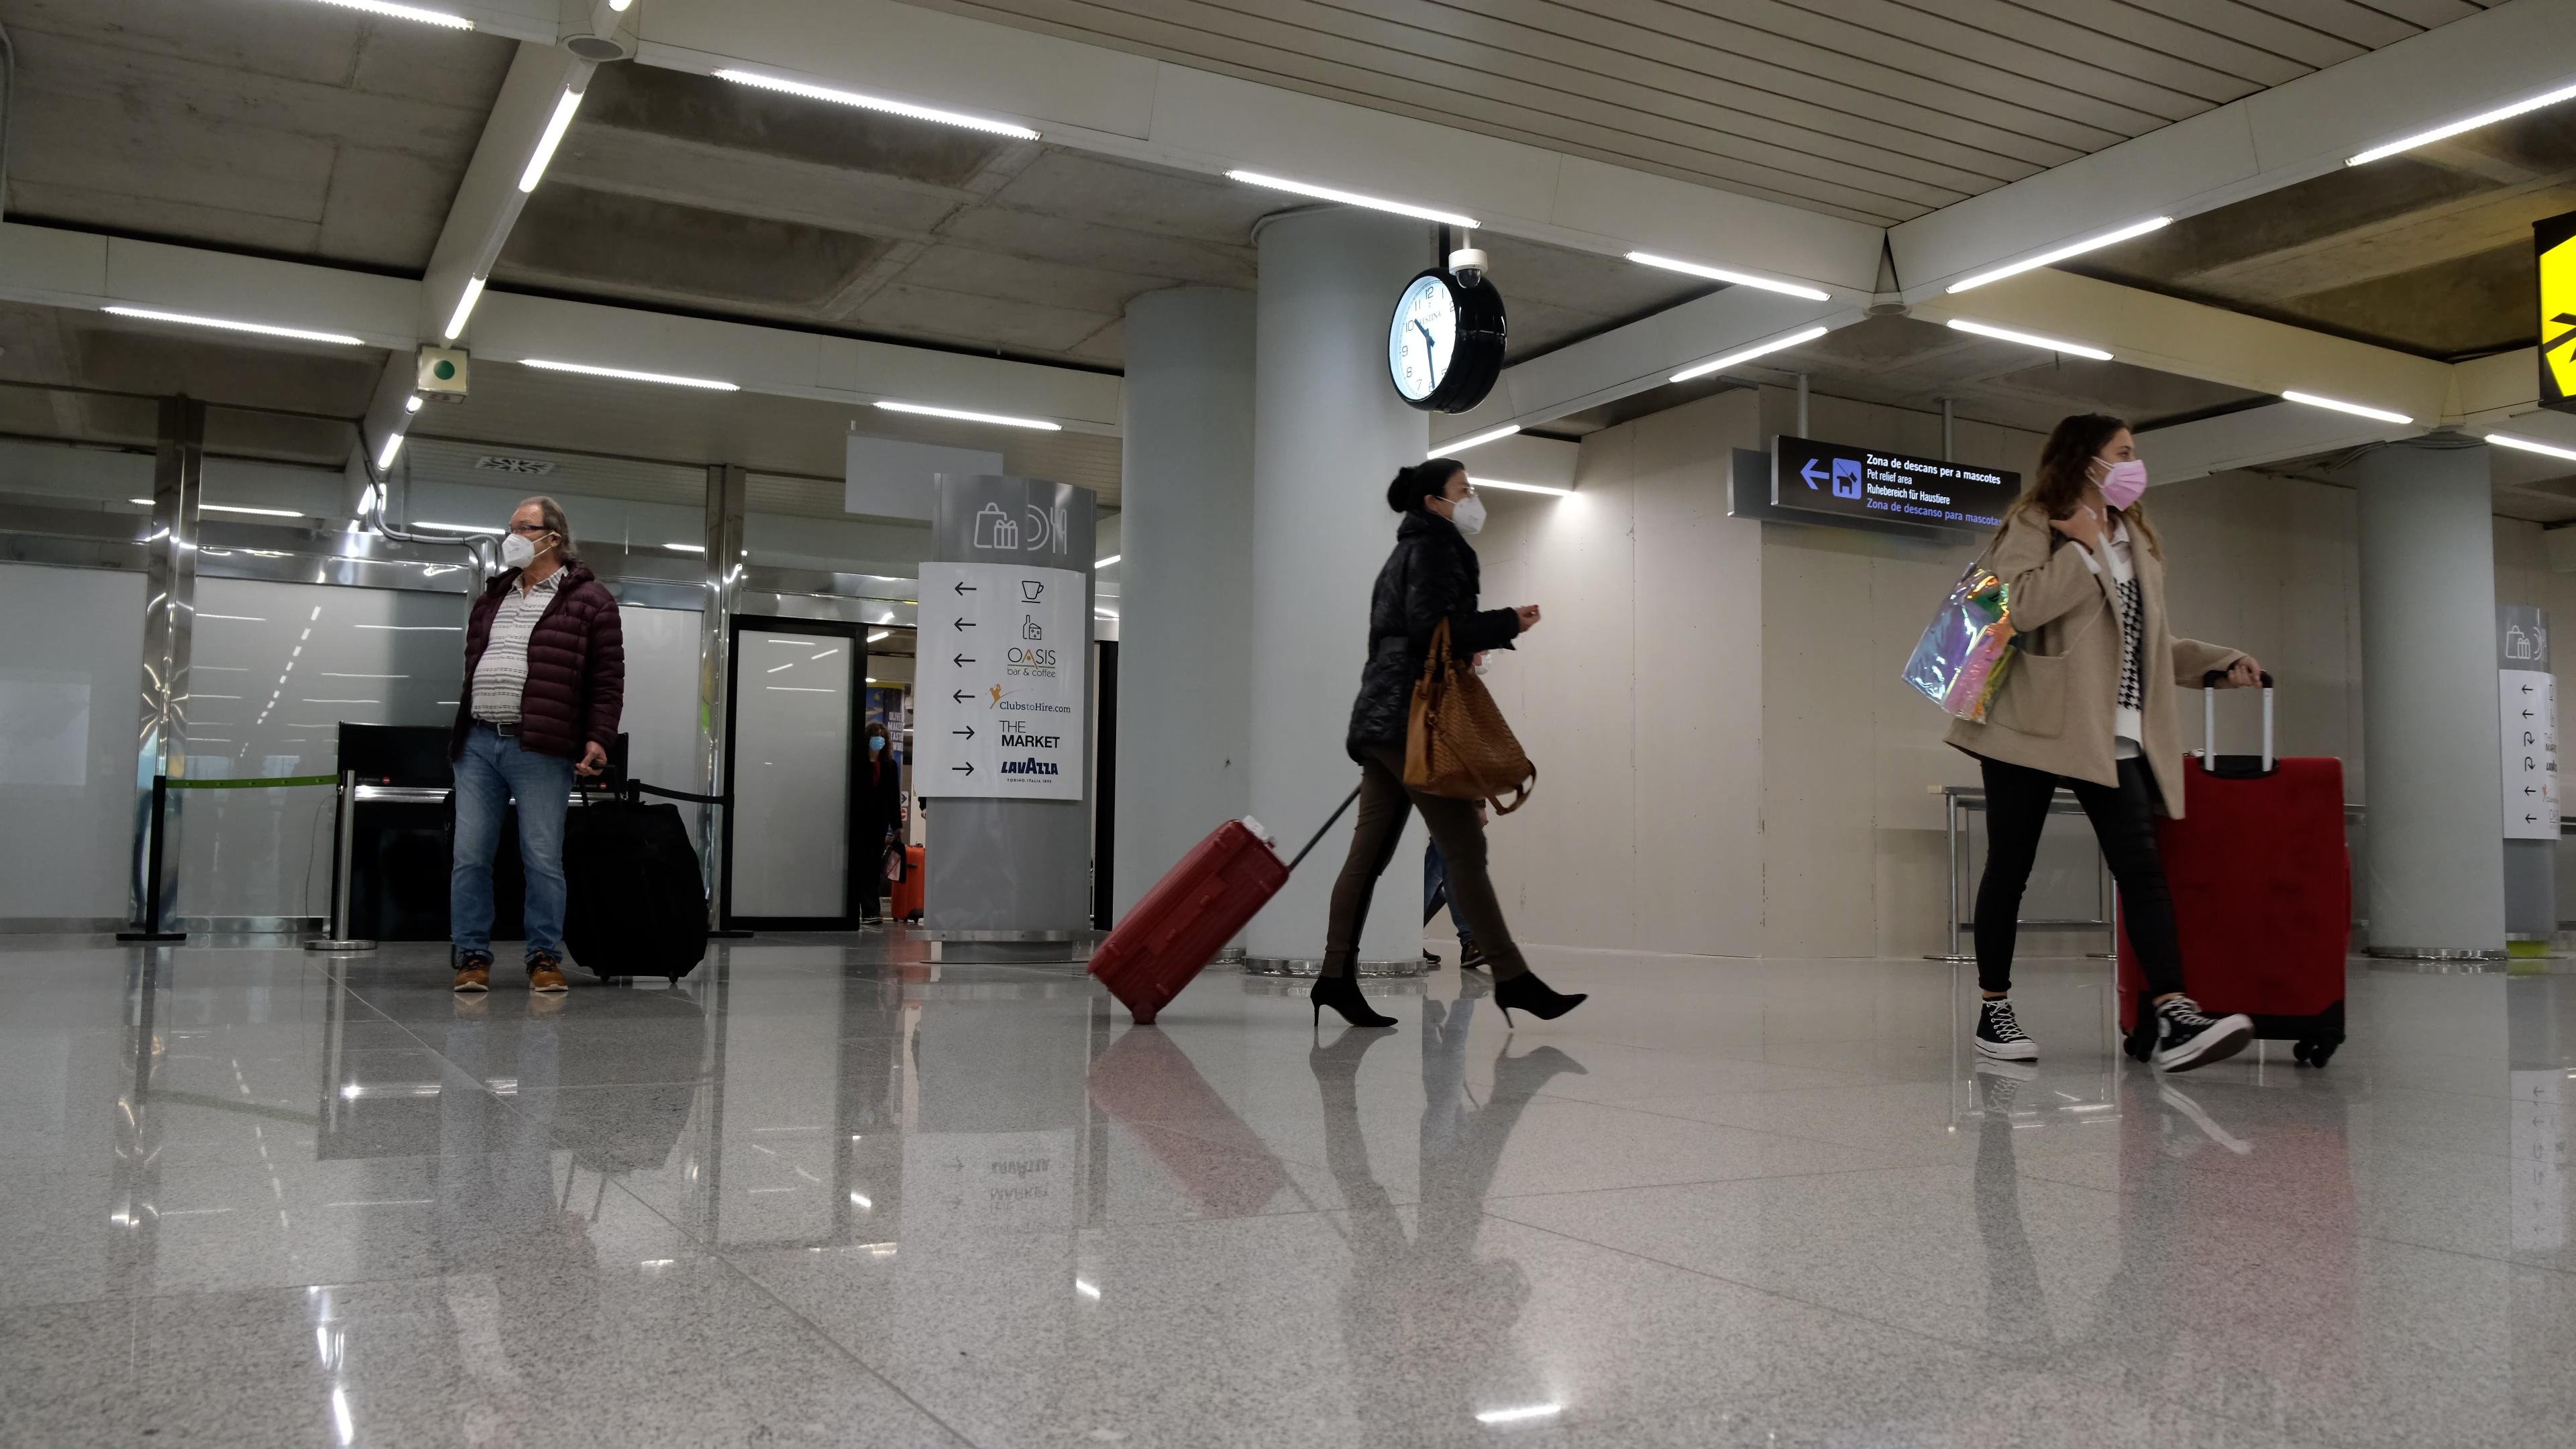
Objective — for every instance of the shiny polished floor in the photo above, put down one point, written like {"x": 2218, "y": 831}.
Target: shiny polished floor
{"x": 826, "y": 1192}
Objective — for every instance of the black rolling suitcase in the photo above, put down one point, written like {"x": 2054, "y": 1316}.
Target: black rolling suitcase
{"x": 635, "y": 903}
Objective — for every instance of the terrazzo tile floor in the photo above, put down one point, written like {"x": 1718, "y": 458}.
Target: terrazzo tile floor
{"x": 828, "y": 1192}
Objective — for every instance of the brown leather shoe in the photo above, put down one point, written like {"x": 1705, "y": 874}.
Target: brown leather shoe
{"x": 545, "y": 973}
{"x": 474, "y": 973}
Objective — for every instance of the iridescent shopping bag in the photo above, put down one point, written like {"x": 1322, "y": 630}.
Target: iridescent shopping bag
{"x": 1968, "y": 650}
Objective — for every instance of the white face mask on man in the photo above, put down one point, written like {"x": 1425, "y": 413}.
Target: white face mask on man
{"x": 518, "y": 550}
{"x": 1468, "y": 513}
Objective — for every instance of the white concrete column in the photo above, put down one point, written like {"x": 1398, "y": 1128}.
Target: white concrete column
{"x": 1184, "y": 596}
{"x": 1329, "y": 431}
{"x": 2435, "y": 883}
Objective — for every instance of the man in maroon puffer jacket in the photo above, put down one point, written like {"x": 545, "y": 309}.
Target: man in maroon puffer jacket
{"x": 545, "y": 682}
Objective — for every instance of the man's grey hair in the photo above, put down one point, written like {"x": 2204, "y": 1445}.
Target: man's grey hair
{"x": 551, "y": 514}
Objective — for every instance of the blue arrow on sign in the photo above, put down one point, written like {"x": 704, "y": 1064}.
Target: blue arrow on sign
{"x": 1807, "y": 470}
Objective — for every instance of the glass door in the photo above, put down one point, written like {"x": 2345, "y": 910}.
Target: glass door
{"x": 793, "y": 758}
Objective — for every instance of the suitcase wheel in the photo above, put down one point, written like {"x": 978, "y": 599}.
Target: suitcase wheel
{"x": 2312, "y": 1052}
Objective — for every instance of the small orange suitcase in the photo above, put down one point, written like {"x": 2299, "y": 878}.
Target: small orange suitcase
{"x": 906, "y": 889}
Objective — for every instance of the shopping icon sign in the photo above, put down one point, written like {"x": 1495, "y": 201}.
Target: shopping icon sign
{"x": 995, "y": 528}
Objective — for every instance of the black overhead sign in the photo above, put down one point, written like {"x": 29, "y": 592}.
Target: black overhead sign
{"x": 1873, "y": 486}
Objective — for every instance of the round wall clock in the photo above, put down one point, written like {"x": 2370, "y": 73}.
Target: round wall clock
{"x": 1444, "y": 345}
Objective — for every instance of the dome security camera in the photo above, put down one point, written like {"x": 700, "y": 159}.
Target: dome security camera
{"x": 1468, "y": 265}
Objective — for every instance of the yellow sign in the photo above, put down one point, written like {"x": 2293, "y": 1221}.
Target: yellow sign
{"x": 2556, "y": 240}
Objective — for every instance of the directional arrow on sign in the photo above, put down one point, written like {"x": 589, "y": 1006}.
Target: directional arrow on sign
{"x": 964, "y": 587}
{"x": 968, "y": 732}
{"x": 957, "y": 695}
{"x": 968, "y": 767}
{"x": 1807, "y": 470}
{"x": 2526, "y": 714}
{"x": 962, "y": 623}
{"x": 960, "y": 660}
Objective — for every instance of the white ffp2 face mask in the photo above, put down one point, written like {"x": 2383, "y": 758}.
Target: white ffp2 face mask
{"x": 517, "y": 551}
{"x": 1469, "y": 514}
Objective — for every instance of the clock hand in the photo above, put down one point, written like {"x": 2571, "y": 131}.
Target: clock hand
{"x": 1430, "y": 348}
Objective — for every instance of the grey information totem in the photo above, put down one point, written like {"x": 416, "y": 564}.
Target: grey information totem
{"x": 1009, "y": 860}
{"x": 2527, "y": 714}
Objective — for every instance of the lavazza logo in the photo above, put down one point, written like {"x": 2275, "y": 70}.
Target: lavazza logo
{"x": 1030, "y": 766}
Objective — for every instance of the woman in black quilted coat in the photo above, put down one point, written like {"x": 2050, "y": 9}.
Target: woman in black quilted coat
{"x": 1431, "y": 576}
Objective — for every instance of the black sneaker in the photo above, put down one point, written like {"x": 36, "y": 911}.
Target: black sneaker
{"x": 1471, "y": 958}
{"x": 2001, "y": 1037}
{"x": 2187, "y": 1037}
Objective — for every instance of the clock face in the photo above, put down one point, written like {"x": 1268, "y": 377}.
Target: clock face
{"x": 1422, "y": 338}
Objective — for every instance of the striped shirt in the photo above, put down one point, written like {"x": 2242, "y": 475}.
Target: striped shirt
{"x": 502, "y": 674}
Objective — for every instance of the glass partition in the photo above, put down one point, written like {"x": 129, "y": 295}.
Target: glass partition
{"x": 70, "y": 663}
{"x": 277, "y": 668}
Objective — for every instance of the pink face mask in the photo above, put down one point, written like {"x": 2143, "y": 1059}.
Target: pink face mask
{"x": 2125, "y": 484}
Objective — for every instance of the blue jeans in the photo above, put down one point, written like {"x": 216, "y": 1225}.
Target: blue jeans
{"x": 492, "y": 771}
{"x": 1435, "y": 892}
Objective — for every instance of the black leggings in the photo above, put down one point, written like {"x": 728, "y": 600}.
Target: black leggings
{"x": 2123, "y": 820}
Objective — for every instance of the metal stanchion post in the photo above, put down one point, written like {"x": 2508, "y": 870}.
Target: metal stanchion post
{"x": 344, "y": 853}
{"x": 154, "y": 836}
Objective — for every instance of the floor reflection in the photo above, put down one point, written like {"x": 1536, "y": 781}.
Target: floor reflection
{"x": 824, "y": 1192}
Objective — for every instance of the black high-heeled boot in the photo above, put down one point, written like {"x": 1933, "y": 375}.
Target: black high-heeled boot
{"x": 1526, "y": 992}
{"x": 1342, "y": 994}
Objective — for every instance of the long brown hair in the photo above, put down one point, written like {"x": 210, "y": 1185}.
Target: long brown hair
{"x": 2065, "y": 466}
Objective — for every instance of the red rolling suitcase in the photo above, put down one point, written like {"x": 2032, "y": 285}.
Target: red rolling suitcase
{"x": 1189, "y": 915}
{"x": 907, "y": 887}
{"x": 2262, "y": 893}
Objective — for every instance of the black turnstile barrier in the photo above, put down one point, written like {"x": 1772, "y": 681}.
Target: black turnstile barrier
{"x": 397, "y": 831}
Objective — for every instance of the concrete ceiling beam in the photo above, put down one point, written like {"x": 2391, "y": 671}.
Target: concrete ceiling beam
{"x": 2274, "y": 138}
{"x": 1093, "y": 98}
{"x": 1641, "y": 355}
{"x": 2194, "y": 339}
{"x": 2254, "y": 437}
{"x": 57, "y": 268}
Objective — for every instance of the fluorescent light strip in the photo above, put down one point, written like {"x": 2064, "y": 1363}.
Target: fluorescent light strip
{"x": 686, "y": 547}
{"x": 385, "y": 455}
{"x": 2529, "y": 446}
{"x": 1704, "y": 369}
{"x": 553, "y": 136}
{"x": 2062, "y": 253}
{"x": 454, "y": 528}
{"x": 465, "y": 306}
{"x": 411, "y": 404}
{"x": 1102, "y": 563}
{"x": 2356, "y": 409}
{"x": 1353, "y": 198}
{"x": 1739, "y": 279}
{"x": 668, "y": 379}
{"x": 1473, "y": 440}
{"x": 2030, "y": 339}
{"x": 2484, "y": 118}
{"x": 877, "y": 103}
{"x": 149, "y": 314}
{"x": 880, "y": 634}
{"x": 1524, "y": 487}
{"x": 260, "y": 512}
{"x": 966, "y": 417}
{"x": 406, "y": 12}
{"x": 1514, "y": 1416}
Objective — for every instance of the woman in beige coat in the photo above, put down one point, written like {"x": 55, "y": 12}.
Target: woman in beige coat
{"x": 2090, "y": 704}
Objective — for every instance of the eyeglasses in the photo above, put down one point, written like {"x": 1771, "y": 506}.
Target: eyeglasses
{"x": 530, "y": 530}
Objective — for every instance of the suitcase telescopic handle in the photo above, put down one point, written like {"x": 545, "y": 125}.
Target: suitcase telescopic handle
{"x": 2209, "y": 719}
{"x": 1318, "y": 837}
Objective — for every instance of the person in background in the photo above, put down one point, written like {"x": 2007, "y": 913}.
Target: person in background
{"x": 880, "y": 812}
{"x": 545, "y": 685}
{"x": 1431, "y": 576}
{"x": 2089, "y": 703}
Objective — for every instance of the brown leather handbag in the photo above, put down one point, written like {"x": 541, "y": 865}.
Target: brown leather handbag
{"x": 1456, "y": 743}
